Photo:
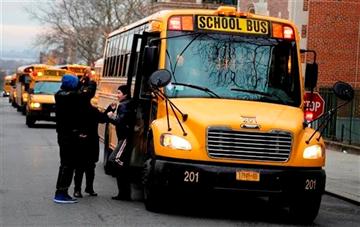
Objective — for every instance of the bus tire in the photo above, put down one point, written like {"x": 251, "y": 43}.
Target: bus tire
{"x": 153, "y": 196}
{"x": 304, "y": 209}
{"x": 30, "y": 122}
{"x": 106, "y": 150}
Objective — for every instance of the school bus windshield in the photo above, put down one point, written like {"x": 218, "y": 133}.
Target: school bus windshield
{"x": 244, "y": 67}
{"x": 46, "y": 87}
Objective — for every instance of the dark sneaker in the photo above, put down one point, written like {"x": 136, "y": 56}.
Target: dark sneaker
{"x": 64, "y": 199}
{"x": 77, "y": 194}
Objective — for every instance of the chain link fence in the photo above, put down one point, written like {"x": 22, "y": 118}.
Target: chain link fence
{"x": 344, "y": 126}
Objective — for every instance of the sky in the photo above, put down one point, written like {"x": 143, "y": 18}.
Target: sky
{"x": 17, "y": 29}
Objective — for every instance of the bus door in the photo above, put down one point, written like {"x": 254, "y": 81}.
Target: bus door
{"x": 141, "y": 98}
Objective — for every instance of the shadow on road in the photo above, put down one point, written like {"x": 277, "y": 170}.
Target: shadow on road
{"x": 227, "y": 207}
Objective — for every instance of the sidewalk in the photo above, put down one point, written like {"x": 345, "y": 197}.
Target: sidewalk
{"x": 343, "y": 174}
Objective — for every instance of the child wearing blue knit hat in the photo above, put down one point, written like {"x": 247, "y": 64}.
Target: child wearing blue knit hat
{"x": 69, "y": 82}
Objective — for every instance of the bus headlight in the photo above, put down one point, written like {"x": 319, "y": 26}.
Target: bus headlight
{"x": 35, "y": 105}
{"x": 313, "y": 152}
{"x": 174, "y": 142}
{"x": 25, "y": 97}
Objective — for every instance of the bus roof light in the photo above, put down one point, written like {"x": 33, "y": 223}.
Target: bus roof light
{"x": 242, "y": 14}
{"x": 277, "y": 30}
{"x": 187, "y": 23}
{"x": 178, "y": 23}
{"x": 288, "y": 32}
{"x": 282, "y": 31}
{"x": 175, "y": 23}
{"x": 226, "y": 11}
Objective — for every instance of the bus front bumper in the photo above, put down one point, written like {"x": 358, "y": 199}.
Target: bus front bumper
{"x": 42, "y": 115}
{"x": 215, "y": 177}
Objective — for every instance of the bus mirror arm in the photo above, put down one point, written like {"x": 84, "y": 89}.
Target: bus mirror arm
{"x": 174, "y": 108}
{"x": 326, "y": 119}
{"x": 343, "y": 91}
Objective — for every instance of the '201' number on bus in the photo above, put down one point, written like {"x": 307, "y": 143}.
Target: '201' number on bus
{"x": 190, "y": 176}
{"x": 310, "y": 184}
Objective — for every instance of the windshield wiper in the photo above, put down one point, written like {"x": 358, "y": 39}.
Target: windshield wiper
{"x": 260, "y": 93}
{"x": 207, "y": 90}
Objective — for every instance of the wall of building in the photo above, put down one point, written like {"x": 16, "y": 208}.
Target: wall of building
{"x": 334, "y": 32}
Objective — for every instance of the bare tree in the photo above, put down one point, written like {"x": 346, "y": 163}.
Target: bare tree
{"x": 81, "y": 26}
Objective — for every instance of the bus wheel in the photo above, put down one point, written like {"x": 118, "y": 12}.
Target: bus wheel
{"x": 304, "y": 209}
{"x": 152, "y": 195}
{"x": 106, "y": 150}
{"x": 30, "y": 121}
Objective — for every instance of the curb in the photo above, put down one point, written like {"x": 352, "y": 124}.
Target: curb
{"x": 342, "y": 198}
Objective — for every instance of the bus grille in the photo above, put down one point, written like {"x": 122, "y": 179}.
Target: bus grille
{"x": 256, "y": 146}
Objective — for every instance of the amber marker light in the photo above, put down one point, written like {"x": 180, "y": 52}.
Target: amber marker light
{"x": 155, "y": 26}
{"x": 277, "y": 30}
{"x": 187, "y": 23}
{"x": 226, "y": 11}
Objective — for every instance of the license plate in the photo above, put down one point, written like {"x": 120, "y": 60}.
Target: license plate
{"x": 245, "y": 175}
{"x": 52, "y": 114}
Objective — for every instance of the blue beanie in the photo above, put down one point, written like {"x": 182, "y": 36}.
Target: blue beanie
{"x": 69, "y": 82}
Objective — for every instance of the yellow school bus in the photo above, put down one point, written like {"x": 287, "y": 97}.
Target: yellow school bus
{"x": 9, "y": 81}
{"x": 78, "y": 70}
{"x": 41, "y": 101}
{"x": 218, "y": 106}
{"x": 22, "y": 84}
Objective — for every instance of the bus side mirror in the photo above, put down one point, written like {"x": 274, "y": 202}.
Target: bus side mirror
{"x": 160, "y": 78}
{"x": 311, "y": 76}
{"x": 151, "y": 60}
{"x": 343, "y": 91}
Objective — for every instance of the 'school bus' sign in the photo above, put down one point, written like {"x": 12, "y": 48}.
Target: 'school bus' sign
{"x": 233, "y": 24}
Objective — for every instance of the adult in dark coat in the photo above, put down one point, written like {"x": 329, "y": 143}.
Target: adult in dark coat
{"x": 89, "y": 139}
{"x": 67, "y": 127}
{"x": 121, "y": 119}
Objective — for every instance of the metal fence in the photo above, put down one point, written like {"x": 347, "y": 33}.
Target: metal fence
{"x": 344, "y": 126}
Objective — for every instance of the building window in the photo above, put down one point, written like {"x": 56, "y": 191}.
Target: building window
{"x": 306, "y": 5}
{"x": 303, "y": 31}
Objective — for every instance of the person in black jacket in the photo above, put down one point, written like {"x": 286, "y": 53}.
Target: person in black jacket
{"x": 67, "y": 102}
{"x": 89, "y": 139}
{"x": 121, "y": 120}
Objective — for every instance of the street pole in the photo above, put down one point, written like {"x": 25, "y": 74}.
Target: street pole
{"x": 238, "y": 5}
